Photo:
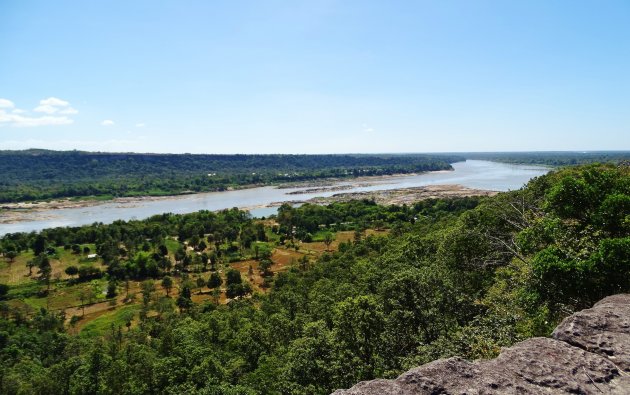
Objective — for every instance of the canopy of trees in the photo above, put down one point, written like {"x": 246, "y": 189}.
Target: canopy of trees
{"x": 454, "y": 277}
{"x": 550, "y": 158}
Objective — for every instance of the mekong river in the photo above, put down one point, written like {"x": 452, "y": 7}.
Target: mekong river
{"x": 471, "y": 173}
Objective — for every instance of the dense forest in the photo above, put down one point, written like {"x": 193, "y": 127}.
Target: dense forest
{"x": 552, "y": 158}
{"x": 443, "y": 277}
{"x": 42, "y": 174}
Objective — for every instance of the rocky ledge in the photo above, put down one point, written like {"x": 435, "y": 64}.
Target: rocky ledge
{"x": 588, "y": 353}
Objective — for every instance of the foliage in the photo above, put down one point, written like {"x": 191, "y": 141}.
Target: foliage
{"x": 461, "y": 276}
{"x": 551, "y": 158}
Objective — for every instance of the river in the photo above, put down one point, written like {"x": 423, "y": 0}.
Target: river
{"x": 471, "y": 173}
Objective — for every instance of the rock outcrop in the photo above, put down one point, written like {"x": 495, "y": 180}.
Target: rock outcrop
{"x": 588, "y": 353}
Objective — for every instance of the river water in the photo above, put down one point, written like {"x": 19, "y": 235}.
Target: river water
{"x": 471, "y": 173}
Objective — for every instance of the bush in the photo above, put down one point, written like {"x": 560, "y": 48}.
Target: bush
{"x": 87, "y": 273}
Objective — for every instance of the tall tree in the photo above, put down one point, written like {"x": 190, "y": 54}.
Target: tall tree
{"x": 184, "y": 301}
{"x": 45, "y": 270}
{"x": 167, "y": 284}
{"x": 39, "y": 245}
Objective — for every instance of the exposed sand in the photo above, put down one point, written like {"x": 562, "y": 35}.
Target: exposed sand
{"x": 352, "y": 181}
{"x": 399, "y": 196}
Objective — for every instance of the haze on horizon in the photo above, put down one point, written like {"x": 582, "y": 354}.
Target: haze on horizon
{"x": 315, "y": 76}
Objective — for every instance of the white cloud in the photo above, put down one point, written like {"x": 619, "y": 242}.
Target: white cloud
{"x": 21, "y": 121}
{"x": 54, "y": 105}
{"x": 47, "y": 109}
{"x": 5, "y": 103}
{"x": 57, "y": 113}
{"x": 140, "y": 125}
{"x": 367, "y": 129}
{"x": 53, "y": 101}
{"x": 69, "y": 111}
{"x": 17, "y": 120}
{"x": 107, "y": 122}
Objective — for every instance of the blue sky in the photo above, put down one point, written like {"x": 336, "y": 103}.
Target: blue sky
{"x": 314, "y": 76}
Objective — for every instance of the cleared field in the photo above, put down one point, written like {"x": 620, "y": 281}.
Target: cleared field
{"x": 94, "y": 315}
{"x": 18, "y": 272}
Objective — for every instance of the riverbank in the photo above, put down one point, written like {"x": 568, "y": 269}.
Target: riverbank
{"x": 8, "y": 210}
{"x": 399, "y": 196}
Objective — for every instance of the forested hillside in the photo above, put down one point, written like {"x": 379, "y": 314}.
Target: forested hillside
{"x": 440, "y": 278}
{"x": 552, "y": 158}
{"x": 42, "y": 174}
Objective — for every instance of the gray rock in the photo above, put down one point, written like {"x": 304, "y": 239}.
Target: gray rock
{"x": 589, "y": 353}
{"x": 603, "y": 329}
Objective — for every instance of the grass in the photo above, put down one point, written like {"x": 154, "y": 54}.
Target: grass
{"x": 24, "y": 290}
{"x": 116, "y": 317}
{"x": 16, "y": 273}
{"x": 63, "y": 296}
{"x": 171, "y": 245}
{"x": 320, "y": 235}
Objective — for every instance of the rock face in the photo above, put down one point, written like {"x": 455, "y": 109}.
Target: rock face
{"x": 589, "y": 353}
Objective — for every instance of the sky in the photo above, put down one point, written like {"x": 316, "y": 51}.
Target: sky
{"x": 319, "y": 76}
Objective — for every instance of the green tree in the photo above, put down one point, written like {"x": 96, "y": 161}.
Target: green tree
{"x": 214, "y": 280}
{"x": 180, "y": 255}
{"x": 358, "y": 325}
{"x": 328, "y": 239}
{"x": 11, "y": 255}
{"x": 72, "y": 270}
{"x": 420, "y": 305}
{"x": 184, "y": 301}
{"x": 162, "y": 250}
{"x": 167, "y": 284}
{"x": 311, "y": 361}
{"x": 233, "y": 276}
{"x": 200, "y": 283}
{"x": 265, "y": 266}
{"x": 39, "y": 245}
{"x": 112, "y": 285}
{"x": 45, "y": 270}
{"x": 238, "y": 290}
{"x": 4, "y": 290}
{"x": 147, "y": 289}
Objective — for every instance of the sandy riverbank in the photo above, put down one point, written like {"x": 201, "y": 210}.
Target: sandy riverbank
{"x": 399, "y": 196}
{"x": 74, "y": 203}
{"x": 353, "y": 181}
